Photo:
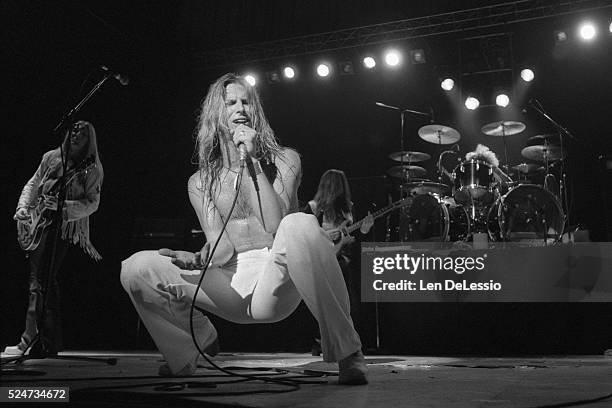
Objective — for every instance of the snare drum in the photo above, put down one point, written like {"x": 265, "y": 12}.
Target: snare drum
{"x": 433, "y": 218}
{"x": 473, "y": 180}
{"x": 526, "y": 212}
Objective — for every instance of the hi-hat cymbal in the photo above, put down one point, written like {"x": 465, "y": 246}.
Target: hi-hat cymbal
{"x": 549, "y": 139}
{"x": 542, "y": 153}
{"x": 409, "y": 157}
{"x": 439, "y": 134}
{"x": 406, "y": 171}
{"x": 503, "y": 128}
{"x": 526, "y": 168}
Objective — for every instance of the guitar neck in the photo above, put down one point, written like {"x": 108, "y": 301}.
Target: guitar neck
{"x": 376, "y": 214}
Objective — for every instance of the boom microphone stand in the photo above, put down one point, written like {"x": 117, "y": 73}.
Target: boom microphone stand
{"x": 537, "y": 106}
{"x": 64, "y": 126}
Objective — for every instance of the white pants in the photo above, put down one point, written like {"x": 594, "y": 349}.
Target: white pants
{"x": 257, "y": 286}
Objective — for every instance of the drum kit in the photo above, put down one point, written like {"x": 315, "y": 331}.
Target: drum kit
{"x": 479, "y": 196}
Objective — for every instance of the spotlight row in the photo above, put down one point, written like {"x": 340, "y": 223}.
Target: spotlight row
{"x": 392, "y": 59}
{"x": 587, "y": 31}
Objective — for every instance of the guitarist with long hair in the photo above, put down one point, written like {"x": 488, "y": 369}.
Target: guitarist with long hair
{"x": 37, "y": 226}
{"x": 333, "y": 208}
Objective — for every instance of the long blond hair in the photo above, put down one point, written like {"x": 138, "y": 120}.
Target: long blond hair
{"x": 213, "y": 127}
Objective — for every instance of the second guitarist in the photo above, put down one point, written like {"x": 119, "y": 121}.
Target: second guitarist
{"x": 333, "y": 208}
{"x": 82, "y": 200}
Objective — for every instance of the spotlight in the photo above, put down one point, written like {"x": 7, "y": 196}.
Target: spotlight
{"x": 560, "y": 36}
{"x": 369, "y": 62}
{"x": 472, "y": 103}
{"x": 447, "y": 84}
{"x": 250, "y": 78}
{"x": 346, "y": 68}
{"x": 502, "y": 100}
{"x": 527, "y": 75}
{"x": 323, "y": 70}
{"x": 273, "y": 77}
{"x": 289, "y": 72}
{"x": 392, "y": 58}
{"x": 610, "y": 27}
{"x": 417, "y": 57}
{"x": 587, "y": 31}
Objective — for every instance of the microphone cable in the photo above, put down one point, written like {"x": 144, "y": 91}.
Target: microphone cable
{"x": 293, "y": 384}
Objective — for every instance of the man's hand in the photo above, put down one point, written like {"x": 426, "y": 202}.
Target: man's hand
{"x": 21, "y": 214}
{"x": 51, "y": 202}
{"x": 188, "y": 261}
{"x": 246, "y": 135}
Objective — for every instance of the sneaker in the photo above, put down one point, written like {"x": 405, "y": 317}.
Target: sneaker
{"x": 17, "y": 350}
{"x": 212, "y": 350}
{"x": 353, "y": 370}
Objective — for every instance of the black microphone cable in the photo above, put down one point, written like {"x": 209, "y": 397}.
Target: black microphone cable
{"x": 293, "y": 384}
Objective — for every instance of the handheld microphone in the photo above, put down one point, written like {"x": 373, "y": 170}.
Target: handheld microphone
{"x": 242, "y": 150}
{"x": 122, "y": 79}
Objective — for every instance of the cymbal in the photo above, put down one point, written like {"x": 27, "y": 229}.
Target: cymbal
{"x": 409, "y": 157}
{"x": 526, "y": 168}
{"x": 542, "y": 153}
{"x": 503, "y": 128}
{"x": 439, "y": 134}
{"x": 406, "y": 171}
{"x": 549, "y": 139}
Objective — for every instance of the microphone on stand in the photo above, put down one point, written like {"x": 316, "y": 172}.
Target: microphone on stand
{"x": 122, "y": 79}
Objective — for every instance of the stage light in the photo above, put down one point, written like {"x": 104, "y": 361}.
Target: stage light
{"x": 560, "y": 36}
{"x": 418, "y": 56}
{"x": 587, "y": 31}
{"x": 289, "y": 72}
{"x": 472, "y": 103}
{"x": 346, "y": 68}
{"x": 250, "y": 78}
{"x": 502, "y": 100}
{"x": 527, "y": 75}
{"x": 392, "y": 58}
{"x": 447, "y": 84}
{"x": 323, "y": 70}
{"x": 273, "y": 77}
{"x": 369, "y": 62}
{"x": 610, "y": 27}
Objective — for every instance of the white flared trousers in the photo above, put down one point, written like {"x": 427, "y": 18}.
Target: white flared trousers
{"x": 257, "y": 286}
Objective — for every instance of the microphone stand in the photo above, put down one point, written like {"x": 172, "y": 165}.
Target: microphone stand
{"x": 65, "y": 125}
{"x": 563, "y": 182}
{"x": 406, "y": 174}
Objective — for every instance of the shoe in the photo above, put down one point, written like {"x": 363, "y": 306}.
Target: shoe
{"x": 17, "y": 350}
{"x": 212, "y": 350}
{"x": 353, "y": 370}
{"x": 316, "y": 348}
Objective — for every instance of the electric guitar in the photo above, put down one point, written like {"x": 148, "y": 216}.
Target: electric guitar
{"x": 30, "y": 230}
{"x": 345, "y": 231}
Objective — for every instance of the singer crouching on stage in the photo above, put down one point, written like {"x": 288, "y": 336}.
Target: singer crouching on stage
{"x": 269, "y": 257}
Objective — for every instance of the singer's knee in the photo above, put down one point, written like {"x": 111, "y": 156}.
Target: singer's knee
{"x": 300, "y": 224}
{"x": 136, "y": 270}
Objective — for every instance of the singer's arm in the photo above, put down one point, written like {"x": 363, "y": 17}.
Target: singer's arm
{"x": 280, "y": 197}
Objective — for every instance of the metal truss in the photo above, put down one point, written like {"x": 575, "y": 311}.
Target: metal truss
{"x": 438, "y": 24}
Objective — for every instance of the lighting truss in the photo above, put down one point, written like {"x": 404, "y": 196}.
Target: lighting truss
{"x": 433, "y": 25}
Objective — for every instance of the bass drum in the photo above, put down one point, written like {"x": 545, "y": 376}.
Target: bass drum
{"x": 525, "y": 213}
{"x": 434, "y": 218}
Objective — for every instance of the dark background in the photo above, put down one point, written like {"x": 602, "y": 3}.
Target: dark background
{"x": 51, "y": 54}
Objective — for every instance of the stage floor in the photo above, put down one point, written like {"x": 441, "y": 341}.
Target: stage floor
{"x": 406, "y": 381}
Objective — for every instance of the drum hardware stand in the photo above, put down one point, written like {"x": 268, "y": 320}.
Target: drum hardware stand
{"x": 537, "y": 106}
{"x": 403, "y": 211}
{"x": 66, "y": 123}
